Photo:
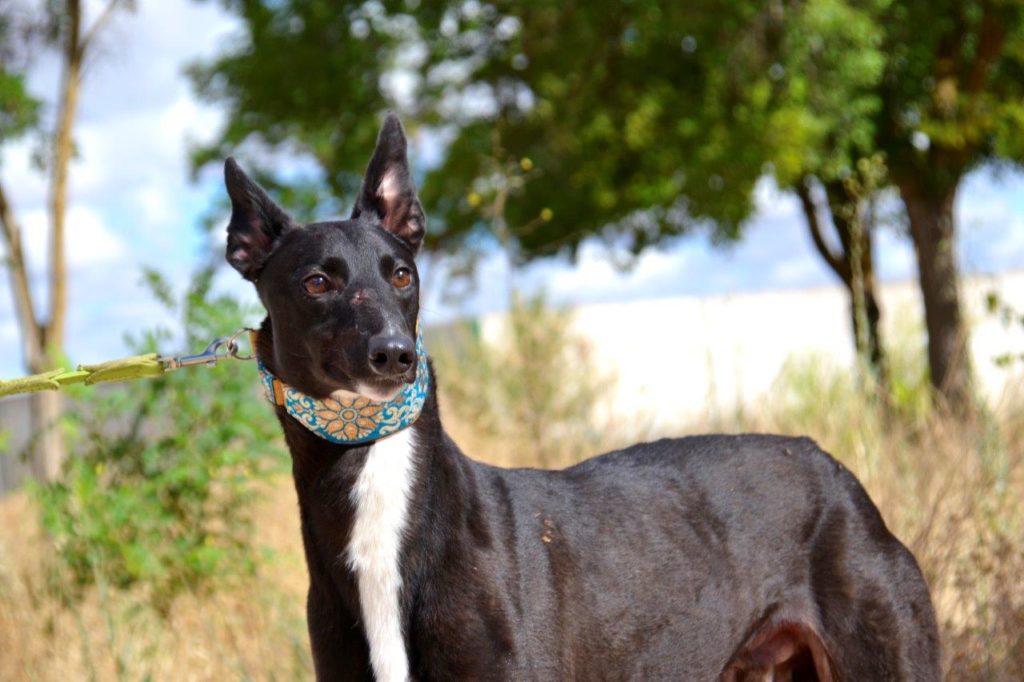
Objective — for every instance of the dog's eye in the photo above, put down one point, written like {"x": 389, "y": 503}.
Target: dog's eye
{"x": 316, "y": 284}
{"x": 402, "y": 278}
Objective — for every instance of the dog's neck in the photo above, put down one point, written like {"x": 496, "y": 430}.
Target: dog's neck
{"x": 321, "y": 466}
{"x": 358, "y": 502}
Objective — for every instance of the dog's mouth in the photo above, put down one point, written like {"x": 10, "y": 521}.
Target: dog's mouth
{"x": 380, "y": 391}
{"x": 374, "y": 387}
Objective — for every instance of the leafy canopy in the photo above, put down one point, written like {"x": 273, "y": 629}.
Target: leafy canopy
{"x": 18, "y": 109}
{"x": 638, "y": 120}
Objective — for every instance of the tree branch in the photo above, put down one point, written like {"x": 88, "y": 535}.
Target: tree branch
{"x": 97, "y": 26}
{"x": 991, "y": 38}
{"x": 31, "y": 331}
{"x": 838, "y": 265}
{"x": 62, "y": 149}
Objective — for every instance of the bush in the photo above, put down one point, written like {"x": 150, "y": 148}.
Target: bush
{"x": 158, "y": 488}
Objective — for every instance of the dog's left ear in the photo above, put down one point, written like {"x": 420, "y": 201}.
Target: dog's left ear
{"x": 388, "y": 191}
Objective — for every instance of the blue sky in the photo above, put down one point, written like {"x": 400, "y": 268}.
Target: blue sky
{"x": 133, "y": 205}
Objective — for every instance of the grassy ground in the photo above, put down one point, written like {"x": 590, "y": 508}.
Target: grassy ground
{"x": 952, "y": 494}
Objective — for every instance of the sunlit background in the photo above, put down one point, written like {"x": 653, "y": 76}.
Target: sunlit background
{"x": 134, "y": 203}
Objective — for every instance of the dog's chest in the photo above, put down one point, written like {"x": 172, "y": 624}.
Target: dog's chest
{"x": 380, "y": 497}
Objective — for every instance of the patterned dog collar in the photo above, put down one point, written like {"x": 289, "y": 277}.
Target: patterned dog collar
{"x": 350, "y": 418}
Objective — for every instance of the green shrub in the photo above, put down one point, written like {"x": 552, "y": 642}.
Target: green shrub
{"x": 158, "y": 489}
{"x": 534, "y": 397}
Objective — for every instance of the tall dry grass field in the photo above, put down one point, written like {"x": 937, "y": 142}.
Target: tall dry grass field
{"x": 952, "y": 494}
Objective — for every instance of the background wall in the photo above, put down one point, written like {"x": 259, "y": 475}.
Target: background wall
{"x": 677, "y": 358}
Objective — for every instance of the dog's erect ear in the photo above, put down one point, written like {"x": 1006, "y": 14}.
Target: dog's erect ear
{"x": 388, "y": 190}
{"x": 256, "y": 222}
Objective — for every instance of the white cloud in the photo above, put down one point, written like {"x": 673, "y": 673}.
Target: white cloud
{"x": 89, "y": 242}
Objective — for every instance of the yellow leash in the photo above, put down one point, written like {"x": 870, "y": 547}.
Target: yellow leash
{"x": 123, "y": 369}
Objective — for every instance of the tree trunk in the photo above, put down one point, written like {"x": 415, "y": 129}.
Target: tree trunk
{"x": 873, "y": 349}
{"x": 43, "y": 340}
{"x": 62, "y": 147}
{"x": 855, "y": 242}
{"x": 48, "y": 442}
{"x": 858, "y": 254}
{"x": 49, "y": 448}
{"x": 930, "y": 211}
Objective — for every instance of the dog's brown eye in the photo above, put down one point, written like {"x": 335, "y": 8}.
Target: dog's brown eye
{"x": 402, "y": 278}
{"x": 316, "y": 284}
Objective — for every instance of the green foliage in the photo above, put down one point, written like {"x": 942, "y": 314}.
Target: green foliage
{"x": 535, "y": 392}
{"x": 955, "y": 72}
{"x": 829, "y": 62}
{"x": 159, "y": 485}
{"x": 304, "y": 71}
{"x": 18, "y": 109}
{"x": 613, "y": 129}
{"x": 639, "y": 119}
{"x": 631, "y": 123}
{"x": 1010, "y": 318}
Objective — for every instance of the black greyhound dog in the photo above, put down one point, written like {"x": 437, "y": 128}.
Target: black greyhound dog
{"x": 745, "y": 557}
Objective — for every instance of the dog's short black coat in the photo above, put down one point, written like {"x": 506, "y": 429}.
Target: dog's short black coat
{"x": 701, "y": 558}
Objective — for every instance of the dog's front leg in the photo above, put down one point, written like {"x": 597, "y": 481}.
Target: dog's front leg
{"x": 340, "y": 651}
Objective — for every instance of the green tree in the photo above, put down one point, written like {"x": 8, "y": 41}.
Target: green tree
{"x": 953, "y": 98}
{"x": 59, "y": 25}
{"x": 560, "y": 166}
{"x": 825, "y": 62}
{"x": 639, "y": 121}
{"x": 852, "y": 96}
{"x": 303, "y": 72}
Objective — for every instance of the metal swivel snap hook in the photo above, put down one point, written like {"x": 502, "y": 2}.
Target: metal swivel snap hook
{"x": 218, "y": 349}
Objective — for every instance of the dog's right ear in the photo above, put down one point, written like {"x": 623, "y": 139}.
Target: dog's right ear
{"x": 256, "y": 222}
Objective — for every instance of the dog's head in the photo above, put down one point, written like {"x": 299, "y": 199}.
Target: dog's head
{"x": 342, "y": 296}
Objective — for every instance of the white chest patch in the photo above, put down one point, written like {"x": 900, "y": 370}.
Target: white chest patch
{"x": 381, "y": 500}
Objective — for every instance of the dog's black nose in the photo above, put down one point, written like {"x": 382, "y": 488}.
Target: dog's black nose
{"x": 391, "y": 355}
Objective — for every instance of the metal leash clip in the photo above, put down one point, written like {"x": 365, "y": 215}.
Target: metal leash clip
{"x": 218, "y": 349}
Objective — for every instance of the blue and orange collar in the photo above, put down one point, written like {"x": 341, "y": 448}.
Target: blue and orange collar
{"x": 349, "y": 418}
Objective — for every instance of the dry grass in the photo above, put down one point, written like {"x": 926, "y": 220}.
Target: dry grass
{"x": 952, "y": 494}
{"x": 255, "y": 631}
